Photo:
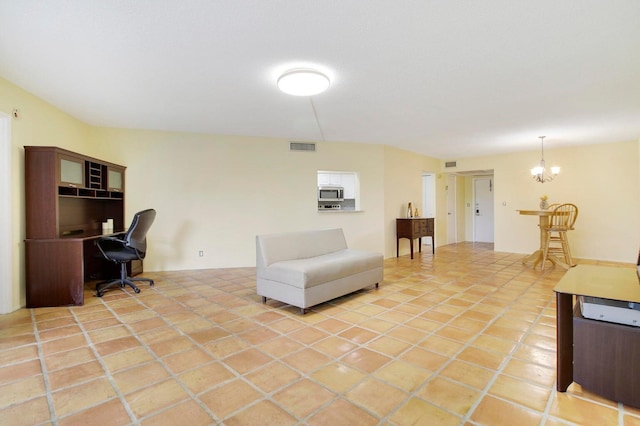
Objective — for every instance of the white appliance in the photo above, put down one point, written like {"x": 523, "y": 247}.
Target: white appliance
{"x": 610, "y": 310}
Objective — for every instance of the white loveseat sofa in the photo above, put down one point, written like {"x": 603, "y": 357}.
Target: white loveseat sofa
{"x": 306, "y": 268}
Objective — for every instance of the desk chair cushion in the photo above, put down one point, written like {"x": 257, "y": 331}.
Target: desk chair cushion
{"x": 131, "y": 245}
{"x": 116, "y": 250}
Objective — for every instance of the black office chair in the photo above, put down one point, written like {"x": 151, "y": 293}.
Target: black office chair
{"x": 131, "y": 245}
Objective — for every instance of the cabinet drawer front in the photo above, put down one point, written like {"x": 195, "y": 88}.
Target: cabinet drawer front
{"x": 420, "y": 226}
{"x": 430, "y": 226}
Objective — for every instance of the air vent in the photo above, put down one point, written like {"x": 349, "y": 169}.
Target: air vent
{"x": 302, "y": 146}
{"x": 450, "y": 164}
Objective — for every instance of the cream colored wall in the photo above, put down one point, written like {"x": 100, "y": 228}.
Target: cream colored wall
{"x": 39, "y": 123}
{"x": 403, "y": 184}
{"x": 216, "y": 193}
{"x": 602, "y": 180}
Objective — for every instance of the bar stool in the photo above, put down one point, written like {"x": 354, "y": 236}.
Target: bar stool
{"x": 560, "y": 222}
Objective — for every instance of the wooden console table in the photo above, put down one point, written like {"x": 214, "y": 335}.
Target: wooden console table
{"x": 415, "y": 228}
{"x": 603, "y": 358}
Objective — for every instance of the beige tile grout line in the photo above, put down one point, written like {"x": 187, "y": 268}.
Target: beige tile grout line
{"x": 436, "y": 373}
{"x": 282, "y": 334}
{"x": 158, "y": 359}
{"x": 528, "y": 332}
{"x": 468, "y": 344}
{"x": 413, "y": 345}
{"x": 107, "y": 373}
{"x": 304, "y": 375}
{"x": 45, "y": 371}
{"x": 237, "y": 375}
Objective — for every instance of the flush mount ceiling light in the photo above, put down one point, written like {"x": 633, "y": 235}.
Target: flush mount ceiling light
{"x": 540, "y": 173}
{"x": 303, "y": 82}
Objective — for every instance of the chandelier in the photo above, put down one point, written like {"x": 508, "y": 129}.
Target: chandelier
{"x": 540, "y": 173}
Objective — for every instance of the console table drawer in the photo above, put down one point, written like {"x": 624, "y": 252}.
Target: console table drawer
{"x": 419, "y": 227}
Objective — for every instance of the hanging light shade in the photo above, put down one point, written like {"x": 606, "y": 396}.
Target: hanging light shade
{"x": 540, "y": 173}
{"x": 303, "y": 82}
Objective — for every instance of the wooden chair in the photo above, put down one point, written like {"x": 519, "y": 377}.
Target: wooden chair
{"x": 560, "y": 222}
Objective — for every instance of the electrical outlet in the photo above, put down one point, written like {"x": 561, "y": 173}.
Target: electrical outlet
{"x": 201, "y": 253}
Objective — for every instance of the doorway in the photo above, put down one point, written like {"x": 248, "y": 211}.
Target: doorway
{"x": 483, "y": 210}
{"x": 452, "y": 229}
{"x": 428, "y": 200}
{"x": 6, "y": 232}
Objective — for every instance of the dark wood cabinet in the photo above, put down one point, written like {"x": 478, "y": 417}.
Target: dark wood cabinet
{"x": 415, "y": 228}
{"x": 606, "y": 358}
{"x": 602, "y": 357}
{"x": 68, "y": 196}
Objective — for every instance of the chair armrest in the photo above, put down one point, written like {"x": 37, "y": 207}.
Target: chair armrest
{"x": 111, "y": 238}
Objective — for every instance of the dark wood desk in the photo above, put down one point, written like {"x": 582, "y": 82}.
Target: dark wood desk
{"x": 413, "y": 228}
{"x": 608, "y": 361}
{"x": 67, "y": 198}
{"x": 58, "y": 268}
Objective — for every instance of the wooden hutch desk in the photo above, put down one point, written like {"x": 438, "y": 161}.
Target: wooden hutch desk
{"x": 413, "y": 228}
{"x": 67, "y": 196}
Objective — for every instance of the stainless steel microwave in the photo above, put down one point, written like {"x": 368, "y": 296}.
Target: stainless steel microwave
{"x": 330, "y": 193}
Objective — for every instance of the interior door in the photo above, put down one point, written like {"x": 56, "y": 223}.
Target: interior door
{"x": 452, "y": 236}
{"x": 428, "y": 200}
{"x": 483, "y": 210}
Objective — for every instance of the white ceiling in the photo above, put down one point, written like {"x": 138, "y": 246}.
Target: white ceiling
{"x": 447, "y": 78}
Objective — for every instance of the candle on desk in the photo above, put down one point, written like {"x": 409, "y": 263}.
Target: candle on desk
{"x": 110, "y": 224}
{"x": 105, "y": 228}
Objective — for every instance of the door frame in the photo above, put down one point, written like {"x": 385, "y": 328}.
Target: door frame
{"x": 428, "y": 197}
{"x": 6, "y": 230}
{"x": 452, "y": 219}
{"x": 473, "y": 186}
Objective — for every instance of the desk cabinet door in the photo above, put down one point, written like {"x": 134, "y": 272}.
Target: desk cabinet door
{"x": 54, "y": 273}
{"x": 606, "y": 359}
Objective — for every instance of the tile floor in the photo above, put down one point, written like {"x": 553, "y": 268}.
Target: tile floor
{"x": 465, "y": 337}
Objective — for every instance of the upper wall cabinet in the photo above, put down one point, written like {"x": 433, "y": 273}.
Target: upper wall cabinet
{"x": 115, "y": 179}
{"x": 71, "y": 171}
{"x": 66, "y": 192}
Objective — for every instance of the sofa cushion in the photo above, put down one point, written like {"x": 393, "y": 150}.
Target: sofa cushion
{"x": 309, "y": 272}
{"x": 274, "y": 248}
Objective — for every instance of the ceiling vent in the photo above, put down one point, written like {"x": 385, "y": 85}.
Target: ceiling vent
{"x": 450, "y": 164}
{"x": 302, "y": 146}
